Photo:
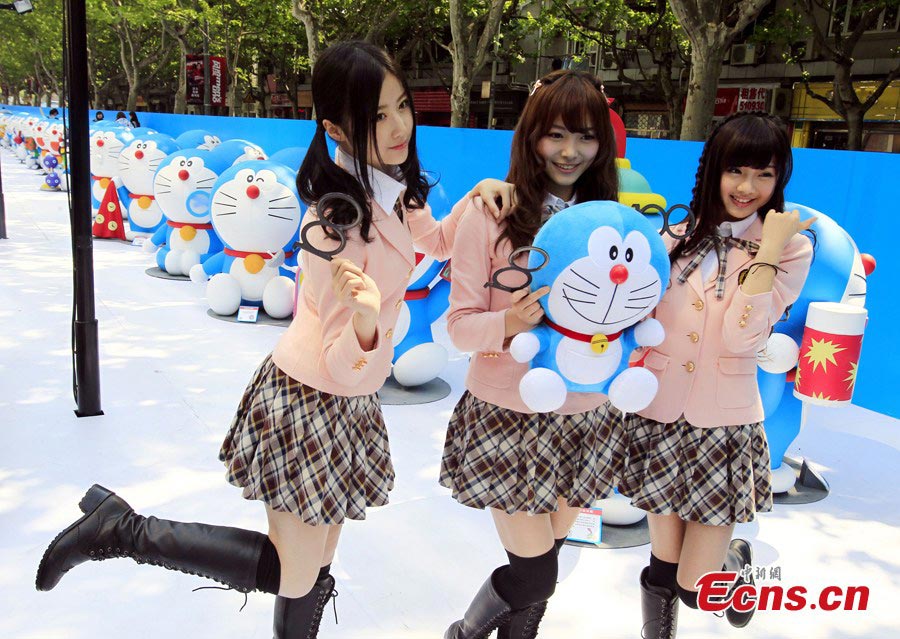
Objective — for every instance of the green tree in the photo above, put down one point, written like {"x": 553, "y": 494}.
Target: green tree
{"x": 836, "y": 26}
{"x": 711, "y": 26}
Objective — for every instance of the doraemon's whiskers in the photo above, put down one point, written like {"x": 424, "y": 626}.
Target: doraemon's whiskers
{"x": 567, "y": 285}
{"x": 227, "y": 195}
{"x": 569, "y": 299}
{"x": 635, "y": 299}
{"x": 643, "y": 287}
{"x": 284, "y": 208}
{"x": 283, "y": 197}
{"x": 638, "y": 308}
{"x": 280, "y": 217}
{"x": 228, "y": 213}
{"x": 209, "y": 179}
{"x": 219, "y": 203}
{"x": 584, "y": 278}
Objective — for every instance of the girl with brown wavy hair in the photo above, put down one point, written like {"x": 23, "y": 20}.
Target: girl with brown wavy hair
{"x": 532, "y": 470}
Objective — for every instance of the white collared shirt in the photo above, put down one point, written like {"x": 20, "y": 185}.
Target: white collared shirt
{"x": 710, "y": 263}
{"x": 386, "y": 188}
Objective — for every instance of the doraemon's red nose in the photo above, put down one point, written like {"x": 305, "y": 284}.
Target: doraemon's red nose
{"x": 99, "y": 142}
{"x": 618, "y": 274}
{"x": 253, "y": 191}
{"x": 139, "y": 154}
{"x": 868, "y": 263}
{"x": 183, "y": 175}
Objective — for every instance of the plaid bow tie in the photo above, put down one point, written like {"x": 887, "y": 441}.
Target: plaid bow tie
{"x": 720, "y": 243}
{"x": 551, "y": 209}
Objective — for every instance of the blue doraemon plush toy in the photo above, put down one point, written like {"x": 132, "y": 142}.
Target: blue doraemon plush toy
{"x": 607, "y": 270}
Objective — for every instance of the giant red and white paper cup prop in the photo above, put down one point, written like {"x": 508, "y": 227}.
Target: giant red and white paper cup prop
{"x": 829, "y": 353}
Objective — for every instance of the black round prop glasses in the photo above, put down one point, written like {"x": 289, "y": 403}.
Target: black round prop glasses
{"x": 666, "y": 216}
{"x": 514, "y": 271}
{"x": 328, "y": 225}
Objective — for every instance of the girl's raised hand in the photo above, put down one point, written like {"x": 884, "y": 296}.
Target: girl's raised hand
{"x": 779, "y": 228}
{"x": 490, "y": 191}
{"x": 526, "y": 312}
{"x": 354, "y": 289}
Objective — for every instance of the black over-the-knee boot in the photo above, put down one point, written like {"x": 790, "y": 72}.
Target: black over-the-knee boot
{"x": 487, "y": 611}
{"x": 659, "y": 608}
{"x": 300, "y": 618}
{"x": 110, "y": 528}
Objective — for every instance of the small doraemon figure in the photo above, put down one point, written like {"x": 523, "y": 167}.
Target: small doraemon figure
{"x": 256, "y": 211}
{"x": 182, "y": 187}
{"x": 106, "y": 144}
{"x": 198, "y": 139}
{"x": 607, "y": 270}
{"x": 138, "y": 162}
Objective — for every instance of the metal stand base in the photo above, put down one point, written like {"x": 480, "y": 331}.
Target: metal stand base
{"x": 393, "y": 394}
{"x": 262, "y": 318}
{"x": 155, "y": 271}
{"x": 809, "y": 488}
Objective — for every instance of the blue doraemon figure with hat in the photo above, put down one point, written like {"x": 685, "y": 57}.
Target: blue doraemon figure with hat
{"x": 607, "y": 269}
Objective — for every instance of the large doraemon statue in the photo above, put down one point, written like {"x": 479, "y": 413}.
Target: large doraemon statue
{"x": 182, "y": 187}
{"x": 106, "y": 144}
{"x": 837, "y": 274}
{"x": 138, "y": 163}
{"x": 244, "y": 150}
{"x": 607, "y": 270}
{"x": 198, "y": 139}
{"x": 256, "y": 211}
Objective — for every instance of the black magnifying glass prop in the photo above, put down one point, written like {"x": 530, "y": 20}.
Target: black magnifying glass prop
{"x": 338, "y": 229}
{"x": 514, "y": 271}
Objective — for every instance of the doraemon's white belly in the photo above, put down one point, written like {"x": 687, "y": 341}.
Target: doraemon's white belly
{"x": 198, "y": 244}
{"x": 97, "y": 191}
{"x": 252, "y": 284}
{"x": 580, "y": 364}
{"x": 145, "y": 217}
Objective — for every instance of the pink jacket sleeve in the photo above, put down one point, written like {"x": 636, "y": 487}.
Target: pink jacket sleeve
{"x": 433, "y": 237}
{"x": 340, "y": 346}
{"x": 471, "y": 323}
{"x": 760, "y": 312}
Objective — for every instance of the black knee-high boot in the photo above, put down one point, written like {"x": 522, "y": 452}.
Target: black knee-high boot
{"x": 659, "y": 608}
{"x": 534, "y": 579}
{"x": 110, "y": 528}
{"x": 487, "y": 611}
{"x": 740, "y": 554}
{"x": 300, "y": 618}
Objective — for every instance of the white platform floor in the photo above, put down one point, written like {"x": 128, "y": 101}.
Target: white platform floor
{"x": 171, "y": 377}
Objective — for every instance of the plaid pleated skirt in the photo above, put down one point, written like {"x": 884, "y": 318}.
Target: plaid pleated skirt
{"x": 714, "y": 476}
{"x": 321, "y": 457}
{"x": 499, "y": 458}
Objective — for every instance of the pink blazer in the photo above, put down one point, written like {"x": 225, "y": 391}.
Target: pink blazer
{"x": 320, "y": 347}
{"x": 476, "y": 320}
{"x": 707, "y": 364}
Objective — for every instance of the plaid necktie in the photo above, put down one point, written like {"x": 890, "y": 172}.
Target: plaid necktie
{"x": 398, "y": 208}
{"x": 720, "y": 242}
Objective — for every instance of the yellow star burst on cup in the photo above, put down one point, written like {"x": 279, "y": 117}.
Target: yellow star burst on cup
{"x": 821, "y": 352}
{"x": 851, "y": 375}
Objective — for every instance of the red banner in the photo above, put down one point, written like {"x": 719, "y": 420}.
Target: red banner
{"x": 218, "y": 79}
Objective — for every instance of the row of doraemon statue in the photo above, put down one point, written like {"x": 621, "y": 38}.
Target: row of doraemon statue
{"x": 225, "y": 212}
{"x": 39, "y": 143}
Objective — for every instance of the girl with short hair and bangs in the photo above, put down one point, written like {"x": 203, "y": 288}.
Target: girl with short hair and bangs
{"x": 532, "y": 470}
{"x": 698, "y": 460}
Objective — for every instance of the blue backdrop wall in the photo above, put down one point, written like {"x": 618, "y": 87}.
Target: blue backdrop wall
{"x": 858, "y": 190}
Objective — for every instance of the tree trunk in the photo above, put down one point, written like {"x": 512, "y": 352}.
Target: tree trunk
{"x": 706, "y": 66}
{"x": 181, "y": 93}
{"x": 854, "y": 119}
{"x": 302, "y": 12}
{"x": 459, "y": 100}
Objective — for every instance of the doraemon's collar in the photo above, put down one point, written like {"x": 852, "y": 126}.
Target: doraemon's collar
{"x": 385, "y": 188}
{"x": 737, "y": 229}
